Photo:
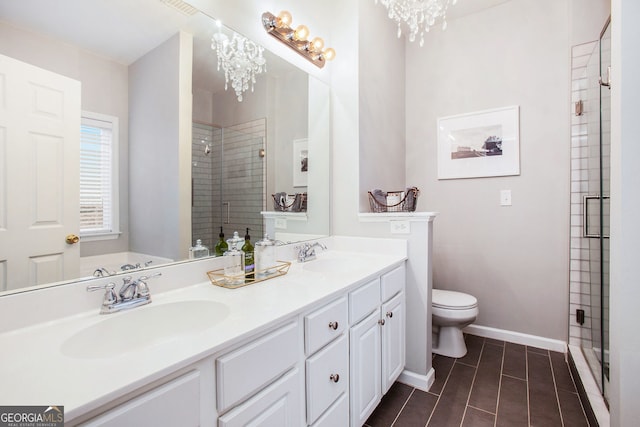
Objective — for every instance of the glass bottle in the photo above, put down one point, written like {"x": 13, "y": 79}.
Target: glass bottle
{"x": 198, "y": 251}
{"x": 221, "y": 247}
{"x": 234, "y": 261}
{"x": 247, "y": 248}
{"x": 265, "y": 257}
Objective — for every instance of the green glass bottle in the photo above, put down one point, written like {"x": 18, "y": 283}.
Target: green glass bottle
{"x": 249, "y": 264}
{"x": 222, "y": 246}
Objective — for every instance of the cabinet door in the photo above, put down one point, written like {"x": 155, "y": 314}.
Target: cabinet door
{"x": 393, "y": 340}
{"x": 278, "y": 405}
{"x": 365, "y": 381}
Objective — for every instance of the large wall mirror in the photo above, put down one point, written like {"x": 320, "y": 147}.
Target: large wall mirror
{"x": 137, "y": 86}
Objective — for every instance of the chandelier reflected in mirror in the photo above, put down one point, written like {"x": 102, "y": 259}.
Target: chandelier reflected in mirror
{"x": 240, "y": 58}
{"x": 418, "y": 15}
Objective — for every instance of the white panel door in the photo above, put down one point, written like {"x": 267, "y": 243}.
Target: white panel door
{"x": 39, "y": 175}
{"x": 393, "y": 340}
{"x": 365, "y": 381}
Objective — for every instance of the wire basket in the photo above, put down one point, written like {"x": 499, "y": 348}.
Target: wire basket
{"x": 283, "y": 202}
{"x": 394, "y": 201}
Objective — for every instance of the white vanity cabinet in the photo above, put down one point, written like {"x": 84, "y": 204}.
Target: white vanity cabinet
{"x": 377, "y": 341}
{"x": 327, "y": 364}
{"x": 260, "y": 383}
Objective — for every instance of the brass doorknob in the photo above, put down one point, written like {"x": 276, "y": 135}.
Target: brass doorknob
{"x": 71, "y": 239}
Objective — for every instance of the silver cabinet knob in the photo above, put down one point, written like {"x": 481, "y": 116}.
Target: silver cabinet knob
{"x": 381, "y": 322}
{"x": 389, "y": 314}
{"x": 334, "y": 377}
{"x": 333, "y": 325}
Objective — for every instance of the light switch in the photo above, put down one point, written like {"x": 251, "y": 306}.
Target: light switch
{"x": 505, "y": 197}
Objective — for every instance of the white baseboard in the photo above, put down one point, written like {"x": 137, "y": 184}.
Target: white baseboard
{"x": 419, "y": 381}
{"x": 517, "y": 338}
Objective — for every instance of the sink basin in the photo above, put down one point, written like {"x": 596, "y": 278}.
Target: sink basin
{"x": 140, "y": 327}
{"x": 332, "y": 265}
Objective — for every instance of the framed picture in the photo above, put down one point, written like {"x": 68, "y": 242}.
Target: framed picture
{"x": 481, "y": 144}
{"x": 300, "y": 162}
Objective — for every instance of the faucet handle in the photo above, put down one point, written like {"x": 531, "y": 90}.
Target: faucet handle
{"x": 142, "y": 289}
{"x": 110, "y": 296}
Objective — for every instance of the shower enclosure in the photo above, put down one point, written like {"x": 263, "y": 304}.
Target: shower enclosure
{"x": 228, "y": 180}
{"x": 590, "y": 172}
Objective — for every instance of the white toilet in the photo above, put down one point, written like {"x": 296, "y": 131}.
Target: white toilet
{"x": 451, "y": 311}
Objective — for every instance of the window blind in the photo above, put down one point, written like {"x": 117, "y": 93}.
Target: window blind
{"x": 96, "y": 177}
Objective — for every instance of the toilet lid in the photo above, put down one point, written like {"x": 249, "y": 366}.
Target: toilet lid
{"x": 452, "y": 300}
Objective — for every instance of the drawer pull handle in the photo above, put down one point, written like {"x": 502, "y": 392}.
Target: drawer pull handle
{"x": 381, "y": 322}
{"x": 335, "y": 378}
{"x": 389, "y": 314}
{"x": 333, "y": 325}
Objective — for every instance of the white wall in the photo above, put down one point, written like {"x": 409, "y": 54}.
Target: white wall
{"x": 513, "y": 259}
{"x": 104, "y": 90}
{"x": 160, "y": 149}
{"x": 625, "y": 211}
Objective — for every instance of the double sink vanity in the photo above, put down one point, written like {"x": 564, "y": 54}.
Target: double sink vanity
{"x": 318, "y": 346}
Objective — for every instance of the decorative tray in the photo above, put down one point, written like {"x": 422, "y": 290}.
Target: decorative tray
{"x": 218, "y": 278}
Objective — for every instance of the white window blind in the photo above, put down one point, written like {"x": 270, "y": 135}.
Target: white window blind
{"x": 98, "y": 175}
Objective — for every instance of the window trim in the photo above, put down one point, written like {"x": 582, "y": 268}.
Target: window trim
{"x": 113, "y": 122}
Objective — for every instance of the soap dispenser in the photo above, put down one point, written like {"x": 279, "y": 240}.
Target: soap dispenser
{"x": 265, "y": 256}
{"x": 234, "y": 261}
{"x": 221, "y": 247}
{"x": 198, "y": 251}
{"x": 247, "y": 248}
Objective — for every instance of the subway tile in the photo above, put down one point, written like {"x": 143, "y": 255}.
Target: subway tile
{"x": 543, "y": 403}
{"x": 484, "y": 394}
{"x": 417, "y": 410}
{"x": 453, "y": 399}
{"x": 476, "y": 418}
{"x": 515, "y": 362}
{"x": 512, "y": 404}
{"x": 390, "y": 406}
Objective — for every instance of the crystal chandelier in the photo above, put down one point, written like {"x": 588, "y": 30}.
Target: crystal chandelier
{"x": 241, "y": 59}
{"x": 419, "y": 15}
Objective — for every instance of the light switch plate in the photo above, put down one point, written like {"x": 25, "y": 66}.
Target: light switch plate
{"x": 505, "y": 197}
{"x": 281, "y": 223}
{"x": 400, "y": 227}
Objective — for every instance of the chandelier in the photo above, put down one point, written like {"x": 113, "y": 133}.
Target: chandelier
{"x": 241, "y": 59}
{"x": 418, "y": 15}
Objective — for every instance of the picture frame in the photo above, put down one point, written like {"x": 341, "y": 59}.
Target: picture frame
{"x": 479, "y": 144}
{"x": 300, "y": 162}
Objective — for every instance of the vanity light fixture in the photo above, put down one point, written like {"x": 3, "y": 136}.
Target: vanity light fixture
{"x": 280, "y": 28}
{"x": 418, "y": 15}
{"x": 240, "y": 58}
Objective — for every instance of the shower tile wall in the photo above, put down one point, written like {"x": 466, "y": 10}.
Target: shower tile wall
{"x": 230, "y": 179}
{"x": 580, "y": 268}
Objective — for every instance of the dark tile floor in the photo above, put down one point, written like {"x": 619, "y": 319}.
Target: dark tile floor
{"x": 494, "y": 384}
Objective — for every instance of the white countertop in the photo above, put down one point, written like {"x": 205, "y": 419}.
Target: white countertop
{"x": 34, "y": 370}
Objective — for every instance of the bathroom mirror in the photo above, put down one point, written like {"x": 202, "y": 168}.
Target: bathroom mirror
{"x": 108, "y": 47}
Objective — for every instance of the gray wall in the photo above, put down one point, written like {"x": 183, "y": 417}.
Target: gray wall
{"x": 159, "y": 150}
{"x": 513, "y": 259}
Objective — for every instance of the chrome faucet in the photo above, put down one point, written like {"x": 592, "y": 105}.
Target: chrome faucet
{"x": 135, "y": 266}
{"x": 133, "y": 293}
{"x": 101, "y": 272}
{"x": 307, "y": 251}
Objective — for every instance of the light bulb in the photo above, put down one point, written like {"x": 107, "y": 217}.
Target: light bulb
{"x": 317, "y": 44}
{"x": 329, "y": 54}
{"x": 301, "y": 33}
{"x": 284, "y": 19}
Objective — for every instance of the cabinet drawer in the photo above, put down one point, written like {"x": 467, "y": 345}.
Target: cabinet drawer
{"x": 251, "y": 367}
{"x": 327, "y": 377}
{"x": 174, "y": 403}
{"x": 324, "y": 325}
{"x": 392, "y": 282}
{"x": 277, "y": 405}
{"x": 363, "y": 301}
{"x": 337, "y": 415}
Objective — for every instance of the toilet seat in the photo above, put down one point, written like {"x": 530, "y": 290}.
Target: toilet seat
{"x": 452, "y": 300}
